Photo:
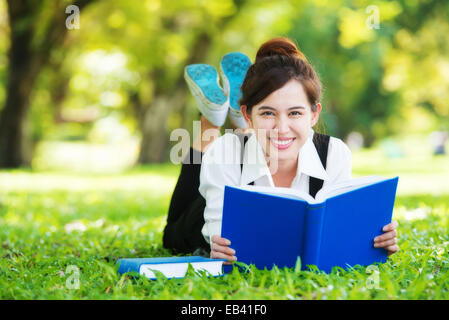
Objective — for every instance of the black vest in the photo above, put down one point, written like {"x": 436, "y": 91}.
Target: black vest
{"x": 321, "y": 142}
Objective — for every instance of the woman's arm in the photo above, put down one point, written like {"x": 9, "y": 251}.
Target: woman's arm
{"x": 217, "y": 170}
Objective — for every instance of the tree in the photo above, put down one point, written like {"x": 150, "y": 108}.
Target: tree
{"x": 179, "y": 33}
{"x": 35, "y": 31}
{"x": 169, "y": 93}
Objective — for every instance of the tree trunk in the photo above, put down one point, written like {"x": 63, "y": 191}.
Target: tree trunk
{"x": 153, "y": 127}
{"x": 22, "y": 72}
{"x": 27, "y": 56}
{"x": 166, "y": 100}
{"x": 13, "y": 147}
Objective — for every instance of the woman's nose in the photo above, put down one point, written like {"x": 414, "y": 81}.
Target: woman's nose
{"x": 282, "y": 125}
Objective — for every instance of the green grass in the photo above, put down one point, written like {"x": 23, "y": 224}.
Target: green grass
{"x": 123, "y": 215}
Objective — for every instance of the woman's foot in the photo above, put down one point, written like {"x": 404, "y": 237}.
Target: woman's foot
{"x": 203, "y": 82}
{"x": 233, "y": 68}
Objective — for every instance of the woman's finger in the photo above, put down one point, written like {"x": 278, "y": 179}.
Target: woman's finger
{"x": 218, "y": 255}
{"x": 386, "y": 236}
{"x": 221, "y": 255}
{"x": 221, "y": 241}
{"x": 391, "y": 226}
{"x": 392, "y": 249}
{"x": 223, "y": 249}
{"x": 385, "y": 244}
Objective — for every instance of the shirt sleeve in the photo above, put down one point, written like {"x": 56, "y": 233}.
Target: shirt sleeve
{"x": 218, "y": 168}
{"x": 339, "y": 161}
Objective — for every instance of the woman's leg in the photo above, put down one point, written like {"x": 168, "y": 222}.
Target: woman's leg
{"x": 209, "y": 133}
{"x": 184, "y": 235}
{"x": 185, "y": 217}
{"x": 186, "y": 212}
{"x": 186, "y": 189}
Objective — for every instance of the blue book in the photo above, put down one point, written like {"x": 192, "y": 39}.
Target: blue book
{"x": 171, "y": 267}
{"x": 274, "y": 226}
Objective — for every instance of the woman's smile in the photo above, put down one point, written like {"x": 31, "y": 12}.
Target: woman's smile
{"x": 282, "y": 143}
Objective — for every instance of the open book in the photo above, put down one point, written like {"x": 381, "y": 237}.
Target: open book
{"x": 274, "y": 226}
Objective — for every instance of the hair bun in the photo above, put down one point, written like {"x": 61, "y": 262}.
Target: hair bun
{"x": 279, "y": 46}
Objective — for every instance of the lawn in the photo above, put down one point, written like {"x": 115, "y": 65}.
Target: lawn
{"x": 61, "y": 234}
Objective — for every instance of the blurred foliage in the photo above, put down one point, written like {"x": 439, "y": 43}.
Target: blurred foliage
{"x": 371, "y": 79}
{"x": 378, "y": 80}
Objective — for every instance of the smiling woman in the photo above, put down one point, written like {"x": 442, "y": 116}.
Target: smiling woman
{"x": 283, "y": 121}
{"x": 281, "y": 104}
{"x": 284, "y": 92}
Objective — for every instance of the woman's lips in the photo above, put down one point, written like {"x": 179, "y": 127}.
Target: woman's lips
{"x": 282, "y": 143}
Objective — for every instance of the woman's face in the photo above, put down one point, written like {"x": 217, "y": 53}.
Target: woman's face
{"x": 282, "y": 121}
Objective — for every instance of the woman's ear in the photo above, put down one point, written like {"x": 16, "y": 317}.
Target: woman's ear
{"x": 316, "y": 114}
{"x": 245, "y": 114}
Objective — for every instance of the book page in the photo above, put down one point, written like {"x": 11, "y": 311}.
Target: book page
{"x": 279, "y": 191}
{"x": 346, "y": 186}
{"x": 325, "y": 193}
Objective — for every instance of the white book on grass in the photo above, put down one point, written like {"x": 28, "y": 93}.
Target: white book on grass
{"x": 171, "y": 267}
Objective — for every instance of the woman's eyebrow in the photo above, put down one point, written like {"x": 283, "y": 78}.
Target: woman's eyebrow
{"x": 271, "y": 108}
{"x": 297, "y": 107}
{"x": 266, "y": 107}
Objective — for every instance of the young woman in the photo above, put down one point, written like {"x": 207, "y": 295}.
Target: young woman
{"x": 281, "y": 104}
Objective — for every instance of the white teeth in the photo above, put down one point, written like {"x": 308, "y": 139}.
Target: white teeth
{"x": 283, "y": 142}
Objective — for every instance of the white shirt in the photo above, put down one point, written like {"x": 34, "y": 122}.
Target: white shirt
{"x": 221, "y": 166}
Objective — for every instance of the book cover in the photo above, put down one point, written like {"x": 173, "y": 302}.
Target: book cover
{"x": 352, "y": 221}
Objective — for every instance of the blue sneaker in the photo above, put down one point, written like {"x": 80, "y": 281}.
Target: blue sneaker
{"x": 233, "y": 67}
{"x": 202, "y": 80}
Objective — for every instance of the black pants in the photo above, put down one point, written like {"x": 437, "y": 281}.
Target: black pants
{"x": 182, "y": 234}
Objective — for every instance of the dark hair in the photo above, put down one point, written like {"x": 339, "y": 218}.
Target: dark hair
{"x": 277, "y": 62}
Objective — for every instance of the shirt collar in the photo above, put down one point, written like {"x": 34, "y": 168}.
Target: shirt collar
{"x": 255, "y": 165}
{"x": 254, "y": 162}
{"x": 309, "y": 161}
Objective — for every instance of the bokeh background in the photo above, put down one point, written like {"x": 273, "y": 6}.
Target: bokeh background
{"x": 104, "y": 95}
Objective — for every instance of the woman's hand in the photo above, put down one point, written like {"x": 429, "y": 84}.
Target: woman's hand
{"x": 388, "y": 240}
{"x": 220, "y": 249}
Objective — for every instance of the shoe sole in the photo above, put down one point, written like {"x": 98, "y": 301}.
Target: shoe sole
{"x": 233, "y": 68}
{"x": 203, "y": 82}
